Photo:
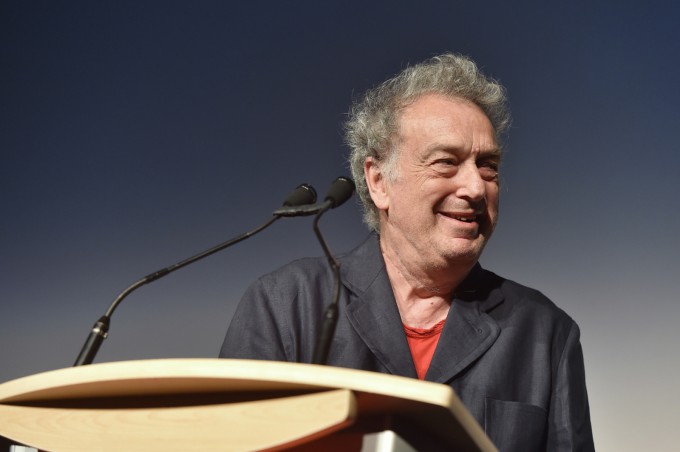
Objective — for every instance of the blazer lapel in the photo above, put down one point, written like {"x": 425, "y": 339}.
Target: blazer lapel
{"x": 372, "y": 310}
{"x": 468, "y": 332}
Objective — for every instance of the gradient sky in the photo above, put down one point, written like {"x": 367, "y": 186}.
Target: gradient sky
{"x": 135, "y": 134}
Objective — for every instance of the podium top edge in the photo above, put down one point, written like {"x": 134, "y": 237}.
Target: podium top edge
{"x": 202, "y": 375}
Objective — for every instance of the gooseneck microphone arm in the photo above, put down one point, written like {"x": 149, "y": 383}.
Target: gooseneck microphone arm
{"x": 302, "y": 195}
{"x": 330, "y": 315}
{"x": 341, "y": 190}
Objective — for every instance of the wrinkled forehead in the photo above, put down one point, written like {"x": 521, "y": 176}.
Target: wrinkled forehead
{"x": 445, "y": 121}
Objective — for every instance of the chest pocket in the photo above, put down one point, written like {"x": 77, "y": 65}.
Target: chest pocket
{"x": 514, "y": 426}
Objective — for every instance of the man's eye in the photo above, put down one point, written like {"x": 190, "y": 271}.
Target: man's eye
{"x": 446, "y": 167}
{"x": 488, "y": 165}
{"x": 489, "y": 170}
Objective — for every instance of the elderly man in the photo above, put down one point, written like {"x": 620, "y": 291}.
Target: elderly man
{"x": 414, "y": 300}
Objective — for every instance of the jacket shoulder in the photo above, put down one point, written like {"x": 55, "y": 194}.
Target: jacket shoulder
{"x": 523, "y": 301}
{"x": 297, "y": 273}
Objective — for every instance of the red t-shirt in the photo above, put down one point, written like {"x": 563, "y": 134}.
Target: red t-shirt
{"x": 423, "y": 342}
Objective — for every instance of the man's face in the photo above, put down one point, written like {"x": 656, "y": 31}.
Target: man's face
{"x": 443, "y": 204}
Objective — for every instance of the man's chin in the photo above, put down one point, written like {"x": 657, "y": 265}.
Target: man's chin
{"x": 466, "y": 251}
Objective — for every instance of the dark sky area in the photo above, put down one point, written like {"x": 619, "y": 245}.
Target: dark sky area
{"x": 135, "y": 134}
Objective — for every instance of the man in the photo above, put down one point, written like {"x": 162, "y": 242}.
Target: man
{"x": 425, "y": 158}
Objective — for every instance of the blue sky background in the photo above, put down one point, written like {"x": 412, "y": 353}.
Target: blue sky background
{"x": 135, "y": 134}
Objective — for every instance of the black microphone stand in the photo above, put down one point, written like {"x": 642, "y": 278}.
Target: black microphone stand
{"x": 340, "y": 191}
{"x": 330, "y": 316}
{"x": 101, "y": 327}
{"x": 303, "y": 194}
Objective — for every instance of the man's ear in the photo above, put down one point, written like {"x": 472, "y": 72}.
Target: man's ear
{"x": 376, "y": 183}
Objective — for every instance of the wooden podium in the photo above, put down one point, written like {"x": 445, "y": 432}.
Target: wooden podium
{"x": 229, "y": 405}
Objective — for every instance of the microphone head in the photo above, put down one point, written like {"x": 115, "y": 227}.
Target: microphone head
{"x": 303, "y": 194}
{"x": 340, "y": 191}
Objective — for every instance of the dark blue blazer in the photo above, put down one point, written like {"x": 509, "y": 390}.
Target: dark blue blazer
{"x": 510, "y": 354}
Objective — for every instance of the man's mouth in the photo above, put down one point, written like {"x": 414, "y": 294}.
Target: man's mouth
{"x": 471, "y": 218}
{"x": 464, "y": 219}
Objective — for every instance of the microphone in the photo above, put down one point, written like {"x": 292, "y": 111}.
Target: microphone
{"x": 339, "y": 192}
{"x": 303, "y": 195}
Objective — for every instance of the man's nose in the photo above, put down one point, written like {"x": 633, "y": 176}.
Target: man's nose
{"x": 470, "y": 184}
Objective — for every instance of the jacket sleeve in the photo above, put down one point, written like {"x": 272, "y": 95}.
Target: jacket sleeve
{"x": 569, "y": 416}
{"x": 256, "y": 330}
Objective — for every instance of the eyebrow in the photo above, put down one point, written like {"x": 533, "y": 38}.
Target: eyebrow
{"x": 496, "y": 152}
{"x": 491, "y": 152}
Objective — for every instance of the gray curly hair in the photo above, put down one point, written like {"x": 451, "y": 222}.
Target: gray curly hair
{"x": 372, "y": 123}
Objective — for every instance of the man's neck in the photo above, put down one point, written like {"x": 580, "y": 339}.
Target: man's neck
{"x": 423, "y": 295}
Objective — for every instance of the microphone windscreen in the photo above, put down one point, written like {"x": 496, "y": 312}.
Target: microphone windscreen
{"x": 303, "y": 194}
{"x": 340, "y": 191}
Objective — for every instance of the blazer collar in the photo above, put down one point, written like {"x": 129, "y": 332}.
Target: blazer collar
{"x": 360, "y": 267}
{"x": 372, "y": 310}
{"x": 468, "y": 333}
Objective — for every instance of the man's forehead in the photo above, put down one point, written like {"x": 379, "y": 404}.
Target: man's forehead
{"x": 433, "y": 108}
{"x": 447, "y": 123}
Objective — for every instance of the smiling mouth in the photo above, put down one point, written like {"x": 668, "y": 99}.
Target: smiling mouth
{"x": 463, "y": 218}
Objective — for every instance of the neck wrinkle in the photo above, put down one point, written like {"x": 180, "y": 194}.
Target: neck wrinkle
{"x": 420, "y": 305}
